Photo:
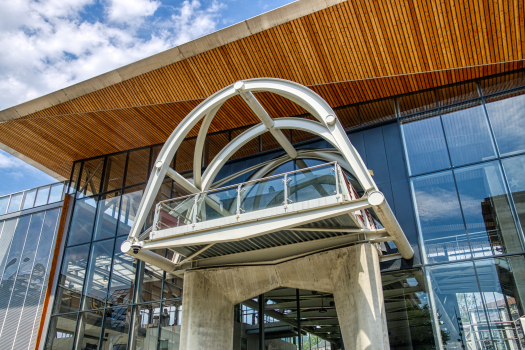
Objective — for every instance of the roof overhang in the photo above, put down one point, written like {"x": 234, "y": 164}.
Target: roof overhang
{"x": 347, "y": 52}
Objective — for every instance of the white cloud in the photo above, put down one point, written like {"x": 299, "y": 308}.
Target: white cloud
{"x": 131, "y": 11}
{"x": 49, "y": 44}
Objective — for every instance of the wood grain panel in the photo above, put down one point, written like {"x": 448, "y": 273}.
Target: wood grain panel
{"x": 349, "y": 53}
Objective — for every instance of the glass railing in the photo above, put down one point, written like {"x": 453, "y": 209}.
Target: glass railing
{"x": 275, "y": 191}
{"x": 32, "y": 198}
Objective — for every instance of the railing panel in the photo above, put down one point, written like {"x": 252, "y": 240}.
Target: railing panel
{"x": 176, "y": 213}
{"x": 312, "y": 184}
{"x": 264, "y": 194}
{"x": 217, "y": 204}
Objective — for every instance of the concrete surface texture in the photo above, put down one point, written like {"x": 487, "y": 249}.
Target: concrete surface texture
{"x": 351, "y": 274}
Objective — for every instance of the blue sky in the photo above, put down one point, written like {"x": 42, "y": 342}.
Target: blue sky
{"x": 51, "y": 44}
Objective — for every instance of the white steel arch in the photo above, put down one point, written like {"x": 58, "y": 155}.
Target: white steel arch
{"x": 328, "y": 127}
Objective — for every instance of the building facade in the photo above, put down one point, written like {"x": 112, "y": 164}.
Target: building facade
{"x": 432, "y": 98}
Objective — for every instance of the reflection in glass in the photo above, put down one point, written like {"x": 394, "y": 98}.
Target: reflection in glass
{"x": 263, "y": 194}
{"x": 507, "y": 117}
{"x": 502, "y": 283}
{"x": 122, "y": 277}
{"x": 468, "y": 135}
{"x": 170, "y": 320}
{"x": 71, "y": 279}
{"x": 16, "y": 201}
{"x": 41, "y": 196}
{"x": 75, "y": 173}
{"x": 459, "y": 315}
{"x": 114, "y": 173}
{"x": 425, "y": 145}
{"x": 172, "y": 286}
{"x": 97, "y": 280}
{"x": 82, "y": 221}
{"x": 91, "y": 176}
{"x": 61, "y": 332}
{"x": 217, "y": 204}
{"x": 129, "y": 207}
{"x": 486, "y": 209}
{"x": 137, "y": 169}
{"x": 116, "y": 328}
{"x": 152, "y": 281}
{"x": 408, "y": 313}
{"x": 514, "y": 169}
{"x": 88, "y": 330}
{"x": 4, "y": 202}
{"x": 439, "y": 218}
{"x": 312, "y": 184}
{"x": 56, "y": 193}
{"x": 148, "y": 319}
{"x": 107, "y": 216}
{"x": 29, "y": 199}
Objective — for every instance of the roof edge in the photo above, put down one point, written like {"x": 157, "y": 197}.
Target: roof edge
{"x": 208, "y": 42}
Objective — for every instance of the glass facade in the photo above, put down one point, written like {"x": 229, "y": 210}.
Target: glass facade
{"x": 26, "y": 249}
{"x": 450, "y": 162}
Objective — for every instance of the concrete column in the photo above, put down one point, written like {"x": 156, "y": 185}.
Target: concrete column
{"x": 358, "y": 296}
{"x": 207, "y": 315}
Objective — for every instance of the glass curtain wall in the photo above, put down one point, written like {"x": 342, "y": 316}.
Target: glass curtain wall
{"x": 466, "y": 163}
{"x": 464, "y": 152}
{"x": 26, "y": 249}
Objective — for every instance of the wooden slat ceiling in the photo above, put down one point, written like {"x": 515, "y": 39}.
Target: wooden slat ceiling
{"x": 348, "y": 53}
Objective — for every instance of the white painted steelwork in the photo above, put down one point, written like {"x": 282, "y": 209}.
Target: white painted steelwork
{"x": 327, "y": 126}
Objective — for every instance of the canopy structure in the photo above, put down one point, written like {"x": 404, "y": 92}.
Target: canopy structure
{"x": 214, "y": 216}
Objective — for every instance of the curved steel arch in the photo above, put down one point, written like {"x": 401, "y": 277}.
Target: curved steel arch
{"x": 328, "y": 127}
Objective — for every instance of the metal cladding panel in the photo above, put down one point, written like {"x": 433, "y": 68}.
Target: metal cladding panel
{"x": 26, "y": 245}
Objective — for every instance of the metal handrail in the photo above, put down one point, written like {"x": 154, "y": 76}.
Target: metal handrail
{"x": 197, "y": 197}
{"x": 246, "y": 182}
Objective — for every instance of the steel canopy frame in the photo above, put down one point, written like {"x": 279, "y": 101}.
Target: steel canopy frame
{"x": 327, "y": 126}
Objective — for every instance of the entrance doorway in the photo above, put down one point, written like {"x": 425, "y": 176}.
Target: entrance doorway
{"x": 288, "y": 319}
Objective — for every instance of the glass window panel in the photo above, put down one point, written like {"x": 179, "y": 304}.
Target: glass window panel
{"x": 507, "y": 117}
{"x": 502, "y": 286}
{"x": 61, "y": 332}
{"x": 130, "y": 204}
{"x": 137, "y": 170}
{"x": 148, "y": 317}
{"x": 41, "y": 196}
{"x": 172, "y": 284}
{"x": 116, "y": 328}
{"x": 8, "y": 233}
{"x": 269, "y": 142}
{"x": 4, "y": 202}
{"x": 408, "y": 312}
{"x": 263, "y": 194}
{"x": 29, "y": 199}
{"x": 486, "y": 209}
{"x": 82, "y": 221}
{"x": 108, "y": 212}
{"x": 468, "y": 135}
{"x": 56, "y": 193}
{"x": 91, "y": 176}
{"x": 114, "y": 173}
{"x": 71, "y": 279}
{"x": 16, "y": 200}
{"x": 214, "y": 144}
{"x": 503, "y": 82}
{"x": 88, "y": 330}
{"x": 514, "y": 169}
{"x": 311, "y": 184}
{"x": 377, "y": 111}
{"x": 348, "y": 116}
{"x": 439, "y": 218}
{"x": 75, "y": 173}
{"x": 170, "y": 320}
{"x": 99, "y": 269}
{"x": 249, "y": 148}
{"x": 458, "y": 313}
{"x": 184, "y": 156}
{"x": 425, "y": 145}
{"x": 152, "y": 281}
{"x": 122, "y": 277}
{"x": 163, "y": 194}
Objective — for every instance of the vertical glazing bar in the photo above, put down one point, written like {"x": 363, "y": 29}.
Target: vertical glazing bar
{"x": 298, "y": 305}
{"x": 261, "y": 322}
{"x": 8, "y": 204}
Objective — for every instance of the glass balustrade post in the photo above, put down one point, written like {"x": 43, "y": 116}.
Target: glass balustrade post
{"x": 239, "y": 200}
{"x": 156, "y": 216}
{"x": 194, "y": 216}
{"x": 285, "y": 180}
{"x": 336, "y": 171}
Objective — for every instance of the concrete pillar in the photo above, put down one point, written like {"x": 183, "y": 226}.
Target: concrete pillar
{"x": 358, "y": 296}
{"x": 207, "y": 315}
